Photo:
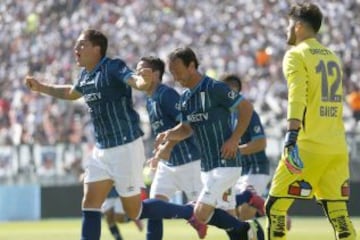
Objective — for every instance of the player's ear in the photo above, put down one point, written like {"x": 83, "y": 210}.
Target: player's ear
{"x": 192, "y": 66}
{"x": 299, "y": 26}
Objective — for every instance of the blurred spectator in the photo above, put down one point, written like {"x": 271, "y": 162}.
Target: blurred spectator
{"x": 353, "y": 99}
{"x": 243, "y": 37}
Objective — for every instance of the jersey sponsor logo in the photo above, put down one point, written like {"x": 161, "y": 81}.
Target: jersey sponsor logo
{"x": 197, "y": 117}
{"x": 300, "y": 188}
{"x": 92, "y": 97}
{"x": 319, "y": 51}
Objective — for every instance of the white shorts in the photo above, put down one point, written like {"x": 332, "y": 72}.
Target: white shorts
{"x": 122, "y": 164}
{"x": 254, "y": 182}
{"x": 112, "y": 203}
{"x": 185, "y": 178}
{"x": 219, "y": 186}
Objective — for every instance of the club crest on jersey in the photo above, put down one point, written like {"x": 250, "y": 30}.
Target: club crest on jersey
{"x": 257, "y": 129}
{"x": 232, "y": 94}
{"x": 300, "y": 188}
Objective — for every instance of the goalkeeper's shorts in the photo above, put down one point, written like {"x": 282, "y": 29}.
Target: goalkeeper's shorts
{"x": 325, "y": 176}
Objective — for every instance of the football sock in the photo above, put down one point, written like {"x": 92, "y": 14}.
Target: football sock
{"x": 229, "y": 223}
{"x": 276, "y": 210}
{"x": 154, "y": 229}
{"x": 159, "y": 209}
{"x": 243, "y": 197}
{"x": 337, "y": 213}
{"x": 115, "y": 232}
{"x": 91, "y": 224}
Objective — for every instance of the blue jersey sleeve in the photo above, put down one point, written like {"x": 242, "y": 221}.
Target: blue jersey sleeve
{"x": 226, "y": 96}
{"x": 169, "y": 101}
{"x": 255, "y": 128}
{"x": 120, "y": 70}
{"x": 77, "y": 84}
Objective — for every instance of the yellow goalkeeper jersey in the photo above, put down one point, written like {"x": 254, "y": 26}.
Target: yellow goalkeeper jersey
{"x": 315, "y": 96}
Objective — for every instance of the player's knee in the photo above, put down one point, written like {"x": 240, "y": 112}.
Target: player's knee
{"x": 132, "y": 206}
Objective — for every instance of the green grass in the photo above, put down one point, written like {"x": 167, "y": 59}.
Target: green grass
{"x": 69, "y": 229}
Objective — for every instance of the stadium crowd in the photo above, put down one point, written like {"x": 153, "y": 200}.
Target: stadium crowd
{"x": 242, "y": 37}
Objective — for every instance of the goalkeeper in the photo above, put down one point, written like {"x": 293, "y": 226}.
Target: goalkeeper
{"x": 315, "y": 157}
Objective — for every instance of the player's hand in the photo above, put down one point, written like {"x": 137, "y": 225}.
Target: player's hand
{"x": 229, "y": 149}
{"x": 160, "y": 139}
{"x": 153, "y": 162}
{"x": 147, "y": 76}
{"x": 32, "y": 83}
{"x": 163, "y": 151}
{"x": 290, "y": 154}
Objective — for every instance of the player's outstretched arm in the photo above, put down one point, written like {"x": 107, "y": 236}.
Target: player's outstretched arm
{"x": 58, "y": 91}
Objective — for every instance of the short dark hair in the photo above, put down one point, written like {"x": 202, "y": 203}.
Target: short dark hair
{"x": 186, "y": 54}
{"x": 97, "y": 38}
{"x": 156, "y": 64}
{"x": 307, "y": 12}
{"x": 232, "y": 78}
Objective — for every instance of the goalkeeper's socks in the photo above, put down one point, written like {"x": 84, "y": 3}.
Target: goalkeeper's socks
{"x": 115, "y": 232}
{"x": 154, "y": 229}
{"x": 243, "y": 197}
{"x": 91, "y": 224}
{"x": 159, "y": 209}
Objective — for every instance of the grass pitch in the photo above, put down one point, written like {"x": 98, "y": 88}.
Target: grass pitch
{"x": 69, "y": 229}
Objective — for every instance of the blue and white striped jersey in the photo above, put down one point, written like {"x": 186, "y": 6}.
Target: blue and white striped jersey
{"x": 256, "y": 163}
{"x": 164, "y": 114}
{"x": 207, "y": 108}
{"x": 108, "y": 97}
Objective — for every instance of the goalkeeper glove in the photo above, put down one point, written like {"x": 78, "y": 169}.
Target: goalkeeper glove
{"x": 291, "y": 153}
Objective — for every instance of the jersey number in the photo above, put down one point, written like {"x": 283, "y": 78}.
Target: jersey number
{"x": 329, "y": 70}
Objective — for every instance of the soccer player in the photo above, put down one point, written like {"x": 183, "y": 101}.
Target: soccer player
{"x": 179, "y": 165}
{"x": 315, "y": 158}
{"x": 205, "y": 108}
{"x": 255, "y": 166}
{"x": 118, "y": 157}
{"x": 114, "y": 213}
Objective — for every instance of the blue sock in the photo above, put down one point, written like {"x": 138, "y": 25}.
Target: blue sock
{"x": 224, "y": 220}
{"x": 115, "y": 232}
{"x": 154, "y": 229}
{"x": 91, "y": 225}
{"x": 159, "y": 209}
{"x": 243, "y": 197}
